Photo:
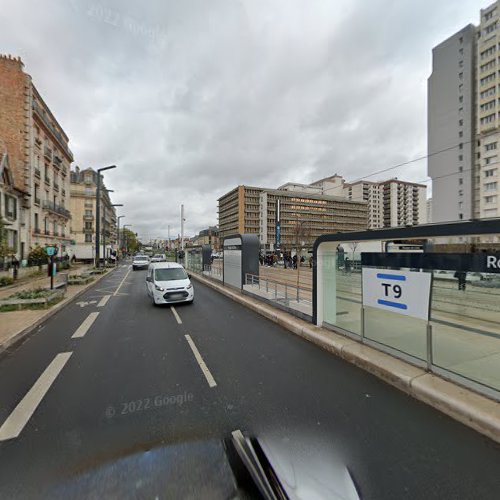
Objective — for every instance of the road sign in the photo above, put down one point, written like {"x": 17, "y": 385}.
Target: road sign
{"x": 50, "y": 250}
{"x": 402, "y": 292}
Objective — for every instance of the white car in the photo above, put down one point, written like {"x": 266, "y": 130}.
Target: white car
{"x": 158, "y": 257}
{"x": 168, "y": 283}
{"x": 140, "y": 262}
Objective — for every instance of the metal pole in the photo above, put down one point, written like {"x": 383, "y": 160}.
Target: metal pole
{"x": 429, "y": 346}
{"x": 98, "y": 220}
{"x": 275, "y": 290}
{"x": 104, "y": 236}
{"x": 362, "y": 323}
{"x": 286, "y": 292}
{"x": 52, "y": 272}
{"x": 182, "y": 227}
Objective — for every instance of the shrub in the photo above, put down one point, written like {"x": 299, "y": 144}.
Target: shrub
{"x": 36, "y": 293}
{"x": 6, "y": 280}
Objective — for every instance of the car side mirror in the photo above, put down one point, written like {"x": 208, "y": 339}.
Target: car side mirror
{"x": 148, "y": 278}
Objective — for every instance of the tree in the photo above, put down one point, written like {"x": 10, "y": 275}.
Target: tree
{"x": 37, "y": 255}
{"x": 130, "y": 241}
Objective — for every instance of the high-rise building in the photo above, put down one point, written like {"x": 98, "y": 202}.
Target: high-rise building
{"x": 39, "y": 159}
{"x": 83, "y": 210}
{"x": 464, "y": 122}
{"x": 294, "y": 214}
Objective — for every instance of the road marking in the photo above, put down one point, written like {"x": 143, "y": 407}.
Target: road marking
{"x": 104, "y": 301}
{"x": 84, "y": 327}
{"x": 199, "y": 359}
{"x": 21, "y": 414}
{"x": 84, "y": 304}
{"x": 121, "y": 282}
{"x": 177, "y": 317}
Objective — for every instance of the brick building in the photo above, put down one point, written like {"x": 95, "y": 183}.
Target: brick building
{"x": 39, "y": 159}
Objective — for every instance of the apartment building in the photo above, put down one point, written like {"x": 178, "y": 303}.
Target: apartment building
{"x": 464, "y": 120}
{"x": 303, "y": 214}
{"x": 83, "y": 210}
{"x": 39, "y": 159}
{"x": 209, "y": 236}
{"x": 391, "y": 203}
{"x": 9, "y": 204}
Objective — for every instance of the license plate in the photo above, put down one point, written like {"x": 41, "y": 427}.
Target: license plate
{"x": 177, "y": 296}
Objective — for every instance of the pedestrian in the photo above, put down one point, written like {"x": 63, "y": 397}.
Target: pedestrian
{"x": 294, "y": 260}
{"x": 310, "y": 262}
{"x": 461, "y": 279}
{"x": 15, "y": 267}
{"x": 347, "y": 265}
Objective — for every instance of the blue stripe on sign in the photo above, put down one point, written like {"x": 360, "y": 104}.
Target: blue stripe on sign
{"x": 397, "y": 277}
{"x": 391, "y": 304}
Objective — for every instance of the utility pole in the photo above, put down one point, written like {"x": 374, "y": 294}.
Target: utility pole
{"x": 169, "y": 237}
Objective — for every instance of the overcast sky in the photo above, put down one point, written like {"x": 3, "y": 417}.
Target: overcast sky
{"x": 192, "y": 97}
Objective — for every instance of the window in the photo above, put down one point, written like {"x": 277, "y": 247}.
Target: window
{"x": 460, "y": 157}
{"x": 461, "y": 99}
{"x": 37, "y": 226}
{"x": 460, "y": 216}
{"x": 89, "y": 191}
{"x": 88, "y": 238}
{"x": 488, "y": 52}
{"x": 490, "y": 146}
{"x": 460, "y": 192}
{"x": 489, "y": 29}
{"x": 460, "y": 134}
{"x": 488, "y": 105}
{"x": 460, "y": 169}
{"x": 488, "y": 66}
{"x": 54, "y": 228}
{"x": 490, "y": 186}
{"x": 460, "y": 181}
{"x": 88, "y": 225}
{"x": 490, "y": 173}
{"x": 10, "y": 207}
{"x": 460, "y": 122}
{"x": 461, "y": 75}
{"x": 487, "y": 119}
{"x": 460, "y": 64}
{"x": 46, "y": 225}
{"x": 461, "y": 87}
{"x": 490, "y": 199}
{"x": 460, "y": 205}
{"x": 88, "y": 212}
{"x": 488, "y": 92}
{"x": 487, "y": 79}
{"x": 489, "y": 14}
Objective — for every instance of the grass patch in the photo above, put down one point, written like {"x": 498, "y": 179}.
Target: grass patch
{"x": 36, "y": 293}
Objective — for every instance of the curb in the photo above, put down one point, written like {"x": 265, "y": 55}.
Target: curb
{"x": 20, "y": 335}
{"x": 468, "y": 407}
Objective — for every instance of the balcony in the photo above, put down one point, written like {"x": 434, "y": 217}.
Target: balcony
{"x": 46, "y": 232}
{"x": 42, "y": 116}
{"x": 88, "y": 217}
{"x": 56, "y": 209}
{"x": 63, "y": 192}
{"x": 56, "y": 186}
{"x": 47, "y": 180}
{"x": 38, "y": 173}
{"x": 57, "y": 160}
{"x": 37, "y": 201}
{"x": 37, "y": 230}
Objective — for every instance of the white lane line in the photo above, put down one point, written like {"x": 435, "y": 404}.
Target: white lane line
{"x": 199, "y": 359}
{"x": 177, "y": 317}
{"x": 84, "y": 327}
{"x": 104, "y": 301}
{"x": 122, "y": 281}
{"x": 21, "y": 414}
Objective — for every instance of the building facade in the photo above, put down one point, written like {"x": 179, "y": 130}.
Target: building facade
{"x": 304, "y": 215}
{"x": 83, "y": 210}
{"x": 209, "y": 236}
{"x": 464, "y": 120}
{"x": 39, "y": 159}
{"x": 10, "y": 199}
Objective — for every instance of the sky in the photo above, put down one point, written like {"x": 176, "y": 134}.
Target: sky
{"x": 190, "y": 98}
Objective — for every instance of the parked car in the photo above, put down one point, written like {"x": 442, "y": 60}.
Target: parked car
{"x": 168, "y": 283}
{"x": 140, "y": 262}
{"x": 159, "y": 257}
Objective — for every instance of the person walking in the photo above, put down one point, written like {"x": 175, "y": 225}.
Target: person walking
{"x": 347, "y": 265}
{"x": 461, "y": 279}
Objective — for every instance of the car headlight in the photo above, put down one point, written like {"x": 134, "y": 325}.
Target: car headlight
{"x": 159, "y": 288}
{"x": 189, "y": 287}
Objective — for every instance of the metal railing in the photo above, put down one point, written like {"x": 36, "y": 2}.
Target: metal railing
{"x": 58, "y": 209}
{"x": 280, "y": 290}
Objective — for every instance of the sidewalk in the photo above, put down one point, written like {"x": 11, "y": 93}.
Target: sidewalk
{"x": 15, "y": 325}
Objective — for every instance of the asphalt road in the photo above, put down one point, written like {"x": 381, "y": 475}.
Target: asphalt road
{"x": 141, "y": 376}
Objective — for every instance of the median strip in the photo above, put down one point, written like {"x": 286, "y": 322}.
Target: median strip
{"x": 21, "y": 414}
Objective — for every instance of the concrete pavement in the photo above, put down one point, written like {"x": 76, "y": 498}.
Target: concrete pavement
{"x": 131, "y": 381}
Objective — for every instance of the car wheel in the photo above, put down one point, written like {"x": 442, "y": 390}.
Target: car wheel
{"x": 133, "y": 268}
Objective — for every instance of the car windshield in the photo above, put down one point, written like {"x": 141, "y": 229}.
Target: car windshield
{"x": 175, "y": 273}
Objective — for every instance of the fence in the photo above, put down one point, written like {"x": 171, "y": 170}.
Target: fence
{"x": 295, "y": 299}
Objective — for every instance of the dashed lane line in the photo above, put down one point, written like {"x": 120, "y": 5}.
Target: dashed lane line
{"x": 177, "y": 317}
{"x": 199, "y": 359}
{"x": 85, "y": 326}
{"x": 122, "y": 281}
{"x": 104, "y": 301}
{"x": 21, "y": 414}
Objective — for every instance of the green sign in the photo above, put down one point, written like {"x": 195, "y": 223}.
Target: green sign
{"x": 50, "y": 251}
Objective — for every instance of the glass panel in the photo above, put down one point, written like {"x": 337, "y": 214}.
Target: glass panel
{"x": 349, "y": 292}
{"x": 466, "y": 325}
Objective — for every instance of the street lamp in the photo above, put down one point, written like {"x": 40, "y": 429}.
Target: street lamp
{"x": 98, "y": 213}
{"x": 118, "y": 219}
{"x": 113, "y": 205}
{"x": 104, "y": 226}
{"x": 126, "y": 225}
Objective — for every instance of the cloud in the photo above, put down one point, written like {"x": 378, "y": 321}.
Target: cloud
{"x": 192, "y": 98}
